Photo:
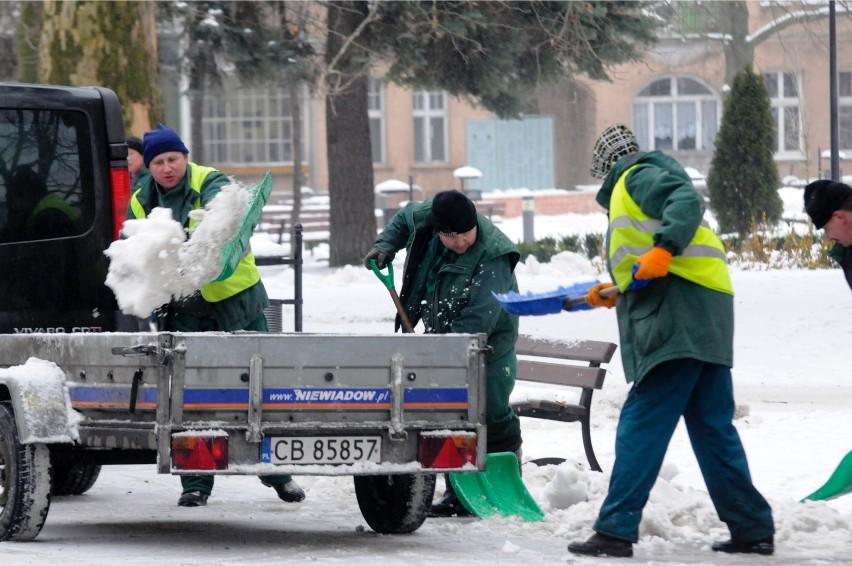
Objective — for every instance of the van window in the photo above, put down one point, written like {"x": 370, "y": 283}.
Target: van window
{"x": 45, "y": 171}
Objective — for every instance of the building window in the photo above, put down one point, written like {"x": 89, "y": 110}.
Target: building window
{"x": 376, "y": 111}
{"x": 430, "y": 126}
{"x": 784, "y": 91}
{"x": 247, "y": 126}
{"x": 675, "y": 113}
{"x": 689, "y": 17}
{"x": 844, "y": 109}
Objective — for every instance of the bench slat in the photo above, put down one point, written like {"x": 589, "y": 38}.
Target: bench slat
{"x": 550, "y": 410}
{"x": 567, "y": 363}
{"x": 582, "y": 350}
{"x": 561, "y": 374}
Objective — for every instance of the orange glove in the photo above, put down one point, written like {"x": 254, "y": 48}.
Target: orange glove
{"x": 653, "y": 264}
{"x": 593, "y": 297}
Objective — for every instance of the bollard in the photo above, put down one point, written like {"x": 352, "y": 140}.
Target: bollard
{"x": 528, "y": 209}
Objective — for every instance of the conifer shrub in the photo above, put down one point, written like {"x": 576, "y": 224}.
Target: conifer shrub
{"x": 743, "y": 180}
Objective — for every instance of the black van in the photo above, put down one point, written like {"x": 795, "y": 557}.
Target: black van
{"x": 64, "y": 188}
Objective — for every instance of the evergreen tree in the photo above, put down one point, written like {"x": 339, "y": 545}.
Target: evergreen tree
{"x": 743, "y": 180}
{"x": 84, "y": 42}
{"x": 496, "y": 53}
{"x": 492, "y": 53}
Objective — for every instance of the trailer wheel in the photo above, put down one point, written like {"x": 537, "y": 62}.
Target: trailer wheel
{"x": 70, "y": 478}
{"x": 24, "y": 482}
{"x": 395, "y": 504}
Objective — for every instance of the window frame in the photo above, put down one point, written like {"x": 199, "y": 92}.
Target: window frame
{"x": 376, "y": 93}
{"x": 60, "y": 166}
{"x": 783, "y": 102}
{"x": 646, "y": 107}
{"x": 233, "y": 113}
{"x": 425, "y": 110}
{"x": 844, "y": 103}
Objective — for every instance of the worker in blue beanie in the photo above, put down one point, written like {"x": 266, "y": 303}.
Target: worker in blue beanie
{"x": 235, "y": 303}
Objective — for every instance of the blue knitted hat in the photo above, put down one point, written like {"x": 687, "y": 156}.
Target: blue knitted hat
{"x": 159, "y": 141}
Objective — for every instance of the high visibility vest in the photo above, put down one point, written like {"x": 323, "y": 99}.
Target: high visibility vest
{"x": 52, "y": 201}
{"x": 246, "y": 273}
{"x": 631, "y": 234}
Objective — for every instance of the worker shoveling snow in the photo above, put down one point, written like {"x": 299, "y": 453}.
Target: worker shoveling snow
{"x": 156, "y": 262}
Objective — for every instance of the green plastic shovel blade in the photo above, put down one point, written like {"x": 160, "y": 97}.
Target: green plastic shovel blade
{"x": 838, "y": 484}
{"x": 233, "y": 250}
{"x": 499, "y": 490}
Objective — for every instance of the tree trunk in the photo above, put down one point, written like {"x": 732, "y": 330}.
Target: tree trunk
{"x": 111, "y": 44}
{"x": 197, "y": 71}
{"x": 739, "y": 53}
{"x": 350, "y": 161}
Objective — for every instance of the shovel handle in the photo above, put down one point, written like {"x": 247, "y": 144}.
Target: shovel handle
{"x": 406, "y": 324}
{"x": 608, "y": 292}
{"x": 387, "y": 279}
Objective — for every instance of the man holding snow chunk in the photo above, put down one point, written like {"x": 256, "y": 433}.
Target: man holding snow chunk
{"x": 676, "y": 324}
{"x": 235, "y": 303}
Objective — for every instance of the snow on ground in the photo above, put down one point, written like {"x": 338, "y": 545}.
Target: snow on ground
{"x": 792, "y": 389}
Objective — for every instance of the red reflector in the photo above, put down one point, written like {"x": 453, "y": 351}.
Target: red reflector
{"x": 120, "y": 183}
{"x": 200, "y": 452}
{"x": 443, "y": 451}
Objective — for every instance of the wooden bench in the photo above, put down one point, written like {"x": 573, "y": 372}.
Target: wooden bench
{"x": 314, "y": 218}
{"x": 490, "y": 208}
{"x": 570, "y": 363}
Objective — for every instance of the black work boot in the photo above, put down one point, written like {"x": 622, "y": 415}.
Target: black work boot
{"x": 291, "y": 492}
{"x": 449, "y": 505}
{"x": 192, "y": 499}
{"x": 764, "y": 546}
{"x": 603, "y": 545}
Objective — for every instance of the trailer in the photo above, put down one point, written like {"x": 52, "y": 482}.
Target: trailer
{"x": 390, "y": 410}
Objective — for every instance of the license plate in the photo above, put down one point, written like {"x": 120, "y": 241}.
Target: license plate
{"x": 322, "y": 449}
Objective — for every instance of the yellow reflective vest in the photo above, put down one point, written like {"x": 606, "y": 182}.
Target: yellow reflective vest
{"x": 631, "y": 234}
{"x": 245, "y": 274}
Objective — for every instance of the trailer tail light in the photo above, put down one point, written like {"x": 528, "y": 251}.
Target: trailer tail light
{"x": 199, "y": 452}
{"x": 447, "y": 449}
{"x": 119, "y": 179}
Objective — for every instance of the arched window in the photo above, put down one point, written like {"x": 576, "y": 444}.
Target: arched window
{"x": 676, "y": 113}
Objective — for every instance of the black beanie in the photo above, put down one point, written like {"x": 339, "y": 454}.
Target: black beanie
{"x": 134, "y": 143}
{"x": 823, "y": 197}
{"x": 452, "y": 212}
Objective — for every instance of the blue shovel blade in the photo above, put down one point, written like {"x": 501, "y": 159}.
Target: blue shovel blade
{"x": 549, "y": 302}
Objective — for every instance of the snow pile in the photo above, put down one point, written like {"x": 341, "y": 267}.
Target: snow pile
{"x": 156, "y": 262}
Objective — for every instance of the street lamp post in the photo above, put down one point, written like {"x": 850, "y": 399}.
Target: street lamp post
{"x": 832, "y": 99}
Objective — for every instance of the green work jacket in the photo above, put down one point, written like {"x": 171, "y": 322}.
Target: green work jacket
{"x": 236, "y": 302}
{"x": 460, "y": 300}
{"x": 671, "y": 317}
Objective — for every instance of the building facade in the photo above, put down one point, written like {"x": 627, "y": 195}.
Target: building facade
{"x": 672, "y": 99}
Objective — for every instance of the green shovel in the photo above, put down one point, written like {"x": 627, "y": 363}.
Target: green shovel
{"x": 499, "y": 490}
{"x": 387, "y": 279}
